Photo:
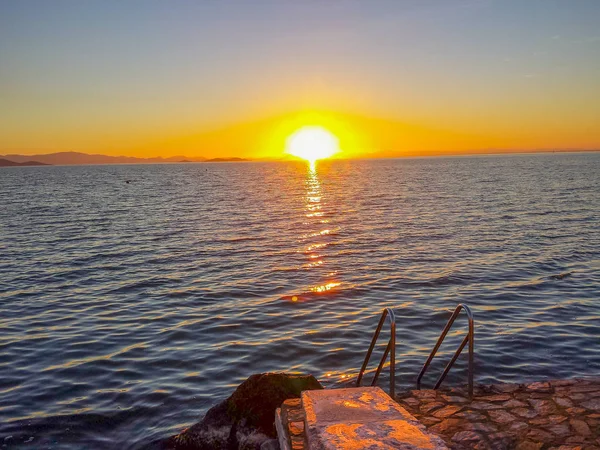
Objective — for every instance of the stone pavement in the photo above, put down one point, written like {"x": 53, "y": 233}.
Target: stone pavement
{"x": 557, "y": 415}
{"x": 362, "y": 418}
{"x": 350, "y": 419}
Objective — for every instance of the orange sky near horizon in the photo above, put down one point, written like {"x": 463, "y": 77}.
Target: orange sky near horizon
{"x": 359, "y": 137}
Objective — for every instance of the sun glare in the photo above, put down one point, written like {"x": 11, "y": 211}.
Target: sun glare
{"x": 312, "y": 143}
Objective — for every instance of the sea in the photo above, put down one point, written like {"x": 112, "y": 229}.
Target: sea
{"x": 135, "y": 297}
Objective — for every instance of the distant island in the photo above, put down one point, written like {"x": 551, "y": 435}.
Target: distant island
{"x": 226, "y": 160}
{"x": 74, "y": 158}
{"x": 78, "y": 158}
{"x": 8, "y": 163}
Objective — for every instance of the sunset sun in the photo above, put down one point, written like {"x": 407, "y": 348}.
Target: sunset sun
{"x": 312, "y": 143}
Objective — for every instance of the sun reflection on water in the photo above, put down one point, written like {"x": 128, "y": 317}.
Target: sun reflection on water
{"x": 315, "y": 215}
{"x": 324, "y": 287}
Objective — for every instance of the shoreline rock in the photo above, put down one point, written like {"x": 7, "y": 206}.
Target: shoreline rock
{"x": 245, "y": 420}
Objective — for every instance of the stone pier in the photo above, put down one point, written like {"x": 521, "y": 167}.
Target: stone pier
{"x": 554, "y": 415}
{"x": 355, "y": 418}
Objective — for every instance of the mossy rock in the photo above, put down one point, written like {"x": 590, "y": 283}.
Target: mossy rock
{"x": 249, "y": 411}
{"x": 257, "y": 398}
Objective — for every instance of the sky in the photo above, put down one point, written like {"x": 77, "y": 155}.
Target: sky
{"x": 235, "y": 77}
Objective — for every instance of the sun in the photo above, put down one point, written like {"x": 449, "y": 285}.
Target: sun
{"x": 312, "y": 143}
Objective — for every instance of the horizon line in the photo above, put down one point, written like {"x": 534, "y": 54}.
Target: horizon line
{"x": 284, "y": 158}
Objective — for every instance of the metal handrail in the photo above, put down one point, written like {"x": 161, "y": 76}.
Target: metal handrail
{"x": 391, "y": 347}
{"x": 468, "y": 338}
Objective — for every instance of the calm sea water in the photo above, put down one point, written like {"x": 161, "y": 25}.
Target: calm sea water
{"x": 128, "y": 309}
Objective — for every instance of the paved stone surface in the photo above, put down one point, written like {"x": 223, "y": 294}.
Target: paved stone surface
{"x": 364, "y": 418}
{"x": 554, "y": 415}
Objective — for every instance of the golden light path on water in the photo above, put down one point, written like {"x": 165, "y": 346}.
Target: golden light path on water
{"x": 315, "y": 214}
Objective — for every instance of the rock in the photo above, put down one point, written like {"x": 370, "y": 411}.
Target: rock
{"x": 506, "y": 388}
{"x": 584, "y": 388}
{"x": 428, "y": 408}
{"x": 501, "y": 417}
{"x": 297, "y": 443}
{"x": 524, "y": 412}
{"x": 563, "y": 401}
{"x": 561, "y": 429}
{"x": 410, "y": 401}
{"x": 580, "y": 427}
{"x": 562, "y": 382}
{"x": 428, "y": 421}
{"x": 446, "y": 411}
{"x": 575, "y": 440}
{"x": 455, "y": 399}
{"x": 466, "y": 436}
{"x": 480, "y": 390}
{"x": 548, "y": 421}
{"x": 514, "y": 404}
{"x": 518, "y": 426}
{"x": 462, "y": 392}
{"x": 296, "y": 428}
{"x": 540, "y": 421}
{"x": 556, "y": 418}
{"x": 540, "y": 435}
{"x": 543, "y": 407}
{"x": 445, "y": 425}
{"x": 578, "y": 397}
{"x": 480, "y": 427}
{"x": 529, "y": 445}
{"x": 429, "y": 393}
{"x": 470, "y": 415}
{"x": 271, "y": 444}
{"x": 593, "y": 404}
{"x": 245, "y": 420}
{"x": 502, "y": 441}
{"x": 484, "y": 406}
{"x": 292, "y": 402}
{"x": 593, "y": 423}
{"x": 539, "y": 387}
{"x": 495, "y": 398}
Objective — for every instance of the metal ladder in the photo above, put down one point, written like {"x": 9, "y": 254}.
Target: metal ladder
{"x": 468, "y": 339}
{"x": 391, "y": 346}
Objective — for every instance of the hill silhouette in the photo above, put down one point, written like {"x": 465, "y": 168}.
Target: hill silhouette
{"x": 226, "y": 160}
{"x": 71, "y": 158}
{"x": 8, "y": 163}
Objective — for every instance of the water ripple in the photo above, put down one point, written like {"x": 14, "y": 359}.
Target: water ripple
{"x": 127, "y": 310}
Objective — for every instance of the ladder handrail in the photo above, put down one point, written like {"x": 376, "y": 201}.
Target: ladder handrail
{"x": 391, "y": 347}
{"x": 468, "y": 338}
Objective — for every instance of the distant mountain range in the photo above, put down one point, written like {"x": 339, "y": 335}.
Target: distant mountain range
{"x": 226, "y": 160}
{"x": 7, "y": 163}
{"x": 71, "y": 158}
